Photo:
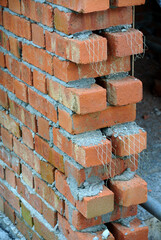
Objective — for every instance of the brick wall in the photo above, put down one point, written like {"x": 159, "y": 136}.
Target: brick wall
{"x": 69, "y": 146}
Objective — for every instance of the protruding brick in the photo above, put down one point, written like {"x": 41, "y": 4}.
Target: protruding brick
{"x": 122, "y": 91}
{"x": 135, "y": 232}
{"x": 89, "y": 50}
{"x": 130, "y": 192}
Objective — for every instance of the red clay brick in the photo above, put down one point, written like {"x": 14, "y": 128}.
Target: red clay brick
{"x": 50, "y": 215}
{"x": 130, "y": 192}
{"x": 1, "y": 205}
{"x": 122, "y": 91}
{"x": 15, "y": 164}
{"x": 83, "y": 6}
{"x": 42, "y": 105}
{"x": 21, "y": 91}
{"x": 5, "y": 156}
{"x": 81, "y": 123}
{"x": 17, "y": 25}
{"x": 2, "y": 60}
{"x": 13, "y": 66}
{"x": 81, "y": 101}
{"x": 23, "y": 115}
{"x": 10, "y": 124}
{"x": 15, "y": 6}
{"x": 68, "y": 71}
{"x": 38, "y": 36}
{"x": 4, "y": 41}
{"x": 27, "y": 137}
{"x": 26, "y": 74}
{"x": 126, "y": 145}
{"x": 47, "y": 172}
{"x": 26, "y": 214}
{"x": 2, "y": 171}
{"x": 7, "y": 81}
{"x": 134, "y": 232}
{"x": 1, "y": 16}
{"x": 39, "y": 81}
{"x": 4, "y": 3}
{"x": 27, "y": 176}
{"x": 38, "y": 57}
{"x": 43, "y": 128}
{"x": 39, "y": 12}
{"x": 3, "y": 99}
{"x": 122, "y": 3}
{"x": 71, "y": 22}
{"x": 121, "y": 44}
{"x": 9, "y": 212}
{"x": 7, "y": 138}
{"x": 87, "y": 156}
{"x": 78, "y": 51}
{"x": 10, "y": 177}
{"x": 15, "y": 45}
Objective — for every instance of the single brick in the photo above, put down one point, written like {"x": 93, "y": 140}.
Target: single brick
{"x": 53, "y": 157}
{"x": 4, "y": 3}
{"x": 21, "y": 91}
{"x": 83, "y": 6}
{"x": 47, "y": 172}
{"x": 7, "y": 81}
{"x": 7, "y": 138}
{"x": 75, "y": 123}
{"x": 26, "y": 214}
{"x": 15, "y": 164}
{"x": 27, "y": 137}
{"x": 135, "y": 232}
{"x": 81, "y": 101}
{"x": 10, "y": 124}
{"x": 71, "y": 22}
{"x": 15, "y": 46}
{"x": 10, "y": 177}
{"x": 125, "y": 145}
{"x": 42, "y": 105}
{"x": 27, "y": 175}
{"x": 3, "y": 99}
{"x": 19, "y": 26}
{"x": 39, "y": 81}
{"x": 9, "y": 212}
{"x": 4, "y": 41}
{"x": 2, "y": 60}
{"x": 123, "y": 91}
{"x": 38, "y": 36}
{"x": 130, "y": 192}
{"x": 68, "y": 71}
{"x": 39, "y": 12}
{"x": 1, "y": 205}
{"x": 87, "y": 156}
{"x": 124, "y": 3}
{"x": 13, "y": 66}
{"x": 121, "y": 44}
{"x": 5, "y": 156}
{"x": 26, "y": 74}
{"x": 71, "y": 234}
{"x": 43, "y": 128}
{"x": 2, "y": 175}
{"x": 15, "y": 6}
{"x": 88, "y": 50}
{"x": 38, "y": 57}
{"x": 50, "y": 215}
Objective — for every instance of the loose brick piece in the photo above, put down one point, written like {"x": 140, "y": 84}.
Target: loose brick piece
{"x": 127, "y": 43}
{"x": 42, "y": 105}
{"x": 130, "y": 192}
{"x": 2, "y": 60}
{"x": 126, "y": 145}
{"x": 23, "y": 115}
{"x": 83, "y": 6}
{"x": 87, "y": 156}
{"x": 81, "y": 123}
{"x": 90, "y": 206}
{"x": 39, "y": 81}
{"x": 69, "y": 71}
{"x": 27, "y": 137}
{"x": 38, "y": 12}
{"x": 38, "y": 35}
{"x": 122, "y": 3}
{"x": 15, "y": 6}
{"x": 19, "y": 26}
{"x": 10, "y": 124}
{"x": 122, "y": 91}
{"x": 71, "y": 234}
{"x": 89, "y": 50}
{"x": 3, "y": 99}
{"x": 21, "y": 90}
{"x": 135, "y": 232}
{"x": 15, "y": 46}
{"x": 7, "y": 138}
{"x": 81, "y": 101}
{"x": 38, "y": 57}
{"x": 71, "y": 22}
